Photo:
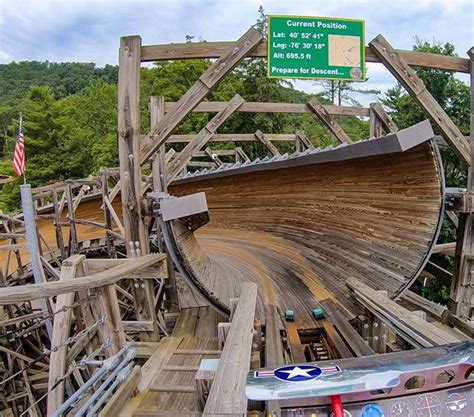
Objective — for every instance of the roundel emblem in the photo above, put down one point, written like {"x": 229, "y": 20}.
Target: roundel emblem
{"x": 293, "y": 373}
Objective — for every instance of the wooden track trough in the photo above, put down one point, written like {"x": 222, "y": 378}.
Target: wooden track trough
{"x": 300, "y": 227}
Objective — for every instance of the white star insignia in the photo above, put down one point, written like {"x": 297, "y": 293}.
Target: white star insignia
{"x": 297, "y": 371}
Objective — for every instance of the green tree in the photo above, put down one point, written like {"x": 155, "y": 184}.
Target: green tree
{"x": 454, "y": 97}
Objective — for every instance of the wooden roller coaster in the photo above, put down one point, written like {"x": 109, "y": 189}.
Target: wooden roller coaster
{"x": 162, "y": 308}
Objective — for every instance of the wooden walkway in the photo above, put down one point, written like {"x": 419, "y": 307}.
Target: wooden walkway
{"x": 167, "y": 384}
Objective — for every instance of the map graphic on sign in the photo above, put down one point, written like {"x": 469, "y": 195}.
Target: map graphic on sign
{"x": 316, "y": 47}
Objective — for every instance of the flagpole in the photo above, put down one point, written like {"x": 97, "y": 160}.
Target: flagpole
{"x": 21, "y": 129}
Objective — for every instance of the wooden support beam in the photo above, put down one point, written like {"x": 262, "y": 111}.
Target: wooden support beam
{"x": 21, "y": 293}
{"x": 129, "y": 144}
{"x": 209, "y": 152}
{"x": 73, "y": 243}
{"x": 234, "y": 137}
{"x": 264, "y": 107}
{"x": 160, "y": 184}
{"x": 71, "y": 268}
{"x": 302, "y": 142}
{"x": 182, "y": 159}
{"x": 349, "y": 334}
{"x": 240, "y": 155}
{"x": 447, "y": 248}
{"x": 57, "y": 226}
{"x": 413, "y": 329}
{"x": 383, "y": 118}
{"x": 418, "y": 91}
{"x": 323, "y": 115}
{"x": 136, "y": 234}
{"x": 227, "y": 395}
{"x": 198, "y": 50}
{"x": 439, "y": 272}
{"x": 210, "y": 79}
{"x": 157, "y": 112}
{"x": 273, "y": 349}
{"x": 462, "y": 285}
{"x": 267, "y": 143}
{"x": 107, "y": 215}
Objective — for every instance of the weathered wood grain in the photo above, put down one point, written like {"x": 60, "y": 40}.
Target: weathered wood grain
{"x": 417, "y": 89}
{"x": 323, "y": 115}
{"x": 300, "y": 232}
{"x": 207, "y": 81}
{"x": 215, "y": 50}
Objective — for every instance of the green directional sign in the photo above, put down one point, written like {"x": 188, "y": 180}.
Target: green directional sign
{"x": 316, "y": 47}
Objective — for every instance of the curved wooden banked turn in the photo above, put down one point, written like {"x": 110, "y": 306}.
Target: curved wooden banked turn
{"x": 300, "y": 226}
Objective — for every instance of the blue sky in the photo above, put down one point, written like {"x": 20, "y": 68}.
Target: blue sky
{"x": 89, "y": 31}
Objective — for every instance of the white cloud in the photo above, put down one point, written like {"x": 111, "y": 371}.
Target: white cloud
{"x": 89, "y": 30}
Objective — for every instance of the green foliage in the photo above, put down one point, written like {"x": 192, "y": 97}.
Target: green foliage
{"x": 454, "y": 97}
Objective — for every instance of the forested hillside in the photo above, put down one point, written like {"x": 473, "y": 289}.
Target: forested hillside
{"x": 69, "y": 113}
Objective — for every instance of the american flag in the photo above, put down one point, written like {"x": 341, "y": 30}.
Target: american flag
{"x": 19, "y": 155}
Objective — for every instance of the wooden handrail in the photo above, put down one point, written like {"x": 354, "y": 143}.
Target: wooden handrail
{"x": 28, "y": 292}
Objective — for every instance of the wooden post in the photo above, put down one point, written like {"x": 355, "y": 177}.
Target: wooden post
{"x": 71, "y": 268}
{"x": 267, "y": 143}
{"x": 136, "y": 235}
{"x": 72, "y": 221}
{"x": 107, "y": 215}
{"x": 129, "y": 144}
{"x": 159, "y": 175}
{"x": 240, "y": 155}
{"x": 213, "y": 156}
{"x": 157, "y": 112}
{"x": 394, "y": 62}
{"x": 302, "y": 142}
{"x": 58, "y": 227}
{"x": 383, "y": 119}
{"x": 463, "y": 279}
{"x": 375, "y": 126}
{"x": 323, "y": 115}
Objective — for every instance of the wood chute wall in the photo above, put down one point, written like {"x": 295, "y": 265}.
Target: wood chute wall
{"x": 300, "y": 232}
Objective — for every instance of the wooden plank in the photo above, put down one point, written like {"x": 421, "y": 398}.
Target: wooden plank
{"x": 349, "y": 334}
{"x": 144, "y": 349}
{"x": 266, "y": 107}
{"x": 323, "y": 115}
{"x": 216, "y": 49}
{"x": 227, "y": 395}
{"x": 180, "y": 161}
{"x": 439, "y": 272}
{"x": 273, "y": 348}
{"x": 117, "y": 402}
{"x": 297, "y": 351}
{"x": 71, "y": 268}
{"x": 417, "y": 90}
{"x": 211, "y": 154}
{"x": 240, "y": 155}
{"x": 210, "y": 79}
{"x": 72, "y": 216}
{"x": 436, "y": 310}
{"x": 461, "y": 292}
{"x": 129, "y": 143}
{"x": 165, "y": 349}
{"x": 49, "y": 289}
{"x": 304, "y": 142}
{"x": 447, "y": 248}
{"x": 234, "y": 137}
{"x": 267, "y": 143}
{"x": 409, "y": 326}
{"x": 385, "y": 120}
